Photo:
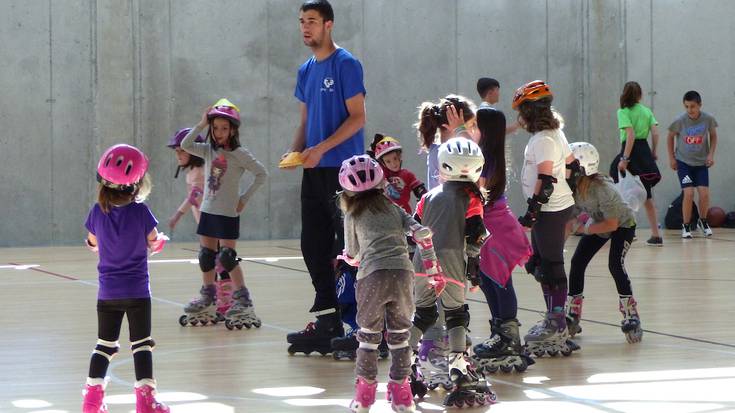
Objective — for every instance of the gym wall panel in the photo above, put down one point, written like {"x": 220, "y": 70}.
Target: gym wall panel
{"x": 26, "y": 144}
{"x": 80, "y": 75}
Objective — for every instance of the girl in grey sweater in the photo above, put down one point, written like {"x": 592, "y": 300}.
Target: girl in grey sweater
{"x": 225, "y": 197}
{"x": 601, "y": 215}
{"x": 375, "y": 242}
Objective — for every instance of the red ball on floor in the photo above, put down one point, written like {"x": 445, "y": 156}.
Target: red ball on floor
{"x": 716, "y": 217}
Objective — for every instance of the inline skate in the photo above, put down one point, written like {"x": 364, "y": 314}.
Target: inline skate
{"x": 550, "y": 336}
{"x": 242, "y": 312}
{"x": 574, "y": 314}
{"x": 202, "y": 310}
{"x": 469, "y": 389}
{"x": 631, "y": 324}
{"x": 503, "y": 350}
{"x": 318, "y": 335}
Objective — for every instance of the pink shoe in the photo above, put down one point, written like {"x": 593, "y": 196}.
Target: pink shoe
{"x": 93, "y": 399}
{"x": 364, "y": 395}
{"x": 400, "y": 397}
{"x": 145, "y": 401}
{"x": 224, "y": 296}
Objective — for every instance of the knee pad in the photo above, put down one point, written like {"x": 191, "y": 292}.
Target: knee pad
{"x": 552, "y": 273}
{"x": 369, "y": 340}
{"x": 106, "y": 349}
{"x": 228, "y": 258}
{"x": 206, "y": 259}
{"x": 425, "y": 317}
{"x": 397, "y": 338}
{"x": 457, "y": 317}
{"x": 145, "y": 344}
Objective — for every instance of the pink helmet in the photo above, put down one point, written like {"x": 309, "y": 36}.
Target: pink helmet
{"x": 175, "y": 141}
{"x": 121, "y": 165}
{"x": 385, "y": 146}
{"x": 360, "y": 173}
{"x": 229, "y": 112}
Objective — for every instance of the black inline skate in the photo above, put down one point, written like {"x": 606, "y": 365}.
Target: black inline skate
{"x": 503, "y": 350}
{"x": 318, "y": 335}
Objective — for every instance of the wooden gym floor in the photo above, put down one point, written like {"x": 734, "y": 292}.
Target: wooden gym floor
{"x": 686, "y": 362}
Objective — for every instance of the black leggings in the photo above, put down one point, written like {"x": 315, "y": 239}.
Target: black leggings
{"x": 322, "y": 234}
{"x": 110, "y": 315}
{"x": 588, "y": 247}
{"x": 501, "y": 300}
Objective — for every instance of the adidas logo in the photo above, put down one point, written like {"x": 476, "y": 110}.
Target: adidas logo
{"x": 686, "y": 180}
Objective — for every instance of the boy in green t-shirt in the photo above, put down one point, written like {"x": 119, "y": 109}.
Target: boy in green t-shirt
{"x": 694, "y": 155}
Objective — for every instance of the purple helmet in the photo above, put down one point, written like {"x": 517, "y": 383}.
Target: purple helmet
{"x": 352, "y": 180}
{"x": 122, "y": 165}
{"x": 175, "y": 140}
{"x": 228, "y": 112}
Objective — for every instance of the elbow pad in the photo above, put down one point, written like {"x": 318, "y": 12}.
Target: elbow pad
{"x": 547, "y": 188}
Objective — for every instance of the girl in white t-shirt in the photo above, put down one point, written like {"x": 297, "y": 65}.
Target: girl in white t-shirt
{"x": 550, "y": 203}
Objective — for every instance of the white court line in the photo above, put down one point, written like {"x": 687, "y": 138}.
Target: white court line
{"x": 18, "y": 267}
{"x": 196, "y": 261}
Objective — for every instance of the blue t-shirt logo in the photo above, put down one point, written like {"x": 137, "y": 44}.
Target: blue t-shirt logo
{"x": 328, "y": 85}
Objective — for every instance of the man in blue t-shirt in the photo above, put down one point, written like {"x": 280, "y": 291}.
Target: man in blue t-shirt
{"x": 331, "y": 93}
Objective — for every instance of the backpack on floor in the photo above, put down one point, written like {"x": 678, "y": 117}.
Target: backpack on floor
{"x": 729, "y": 220}
{"x": 674, "y": 218}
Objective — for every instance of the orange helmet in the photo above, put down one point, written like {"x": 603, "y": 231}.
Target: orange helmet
{"x": 531, "y": 92}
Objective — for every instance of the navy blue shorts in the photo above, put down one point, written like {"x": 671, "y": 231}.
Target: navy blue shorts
{"x": 219, "y": 226}
{"x": 692, "y": 176}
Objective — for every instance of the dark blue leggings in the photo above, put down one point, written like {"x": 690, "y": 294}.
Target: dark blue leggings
{"x": 502, "y": 301}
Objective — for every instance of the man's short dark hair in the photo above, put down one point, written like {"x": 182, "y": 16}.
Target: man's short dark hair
{"x": 485, "y": 84}
{"x": 321, "y": 6}
{"x": 693, "y": 96}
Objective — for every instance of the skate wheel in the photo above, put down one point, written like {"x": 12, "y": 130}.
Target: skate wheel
{"x": 205, "y": 322}
{"x": 566, "y": 353}
{"x": 229, "y": 326}
{"x": 491, "y": 369}
{"x": 433, "y": 386}
{"x": 183, "y": 320}
{"x": 538, "y": 353}
{"x": 248, "y": 326}
{"x": 447, "y": 386}
{"x": 194, "y": 322}
{"x": 215, "y": 321}
{"x": 506, "y": 369}
{"x": 258, "y": 324}
{"x": 552, "y": 353}
{"x": 521, "y": 367}
{"x": 239, "y": 326}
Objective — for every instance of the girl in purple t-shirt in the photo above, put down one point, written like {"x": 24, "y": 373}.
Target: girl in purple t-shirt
{"x": 121, "y": 230}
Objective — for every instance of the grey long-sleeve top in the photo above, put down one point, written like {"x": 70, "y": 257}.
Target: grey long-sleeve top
{"x": 223, "y": 172}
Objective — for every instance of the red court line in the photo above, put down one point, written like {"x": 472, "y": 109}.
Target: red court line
{"x": 68, "y": 277}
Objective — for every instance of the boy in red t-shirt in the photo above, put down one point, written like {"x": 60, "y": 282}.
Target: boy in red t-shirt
{"x": 399, "y": 182}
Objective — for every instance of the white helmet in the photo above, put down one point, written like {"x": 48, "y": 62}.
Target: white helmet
{"x": 587, "y": 155}
{"x": 460, "y": 159}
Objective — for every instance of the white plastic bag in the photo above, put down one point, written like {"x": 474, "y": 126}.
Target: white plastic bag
{"x": 632, "y": 190}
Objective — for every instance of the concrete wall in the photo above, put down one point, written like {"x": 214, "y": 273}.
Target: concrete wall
{"x": 79, "y": 75}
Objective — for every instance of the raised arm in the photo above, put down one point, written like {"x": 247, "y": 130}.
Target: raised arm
{"x": 190, "y": 145}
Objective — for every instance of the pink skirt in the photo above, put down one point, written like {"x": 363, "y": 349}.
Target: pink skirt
{"x": 507, "y": 246}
